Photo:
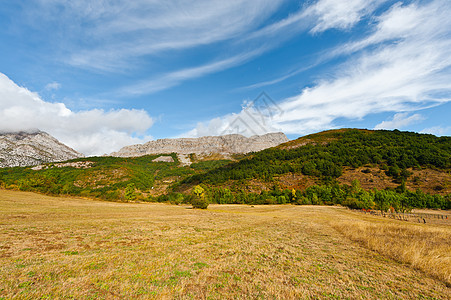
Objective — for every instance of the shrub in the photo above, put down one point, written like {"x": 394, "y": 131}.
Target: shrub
{"x": 199, "y": 200}
{"x": 201, "y": 203}
{"x": 176, "y": 198}
{"x": 130, "y": 192}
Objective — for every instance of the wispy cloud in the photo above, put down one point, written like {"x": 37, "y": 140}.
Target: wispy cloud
{"x": 394, "y": 77}
{"x": 403, "y": 65}
{"x": 340, "y": 14}
{"x": 52, "y": 86}
{"x": 321, "y": 16}
{"x": 399, "y": 121}
{"x": 117, "y": 34}
{"x": 109, "y": 35}
{"x": 265, "y": 39}
{"x": 168, "y": 80}
{"x": 91, "y": 132}
{"x": 438, "y": 130}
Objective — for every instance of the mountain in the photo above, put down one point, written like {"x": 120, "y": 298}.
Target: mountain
{"x": 19, "y": 149}
{"x": 355, "y": 168}
{"x": 377, "y": 158}
{"x": 226, "y": 145}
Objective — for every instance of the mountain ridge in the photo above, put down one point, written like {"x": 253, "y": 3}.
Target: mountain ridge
{"x": 20, "y": 149}
{"x": 226, "y": 144}
{"x": 337, "y": 166}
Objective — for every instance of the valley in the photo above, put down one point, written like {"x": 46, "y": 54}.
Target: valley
{"x": 65, "y": 247}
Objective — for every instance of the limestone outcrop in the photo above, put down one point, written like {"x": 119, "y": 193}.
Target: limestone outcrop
{"x": 20, "y": 149}
{"x": 226, "y": 145}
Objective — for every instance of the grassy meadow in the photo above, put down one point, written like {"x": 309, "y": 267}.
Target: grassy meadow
{"x": 74, "y": 248}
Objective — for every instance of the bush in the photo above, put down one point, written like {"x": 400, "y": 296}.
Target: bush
{"x": 199, "y": 200}
{"x": 201, "y": 203}
{"x": 130, "y": 193}
{"x": 176, "y": 198}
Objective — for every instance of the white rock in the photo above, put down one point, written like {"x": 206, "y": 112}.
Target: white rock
{"x": 227, "y": 144}
{"x": 30, "y": 149}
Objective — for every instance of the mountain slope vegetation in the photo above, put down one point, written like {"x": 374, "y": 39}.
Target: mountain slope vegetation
{"x": 357, "y": 168}
{"x": 325, "y": 154}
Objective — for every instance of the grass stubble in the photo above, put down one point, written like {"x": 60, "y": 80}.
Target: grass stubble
{"x": 69, "y": 248}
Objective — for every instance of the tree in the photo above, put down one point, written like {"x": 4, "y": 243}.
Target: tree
{"x": 293, "y": 195}
{"x": 199, "y": 200}
{"x": 130, "y": 192}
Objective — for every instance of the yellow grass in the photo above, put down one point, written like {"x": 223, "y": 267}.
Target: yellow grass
{"x": 425, "y": 247}
{"x": 67, "y": 248}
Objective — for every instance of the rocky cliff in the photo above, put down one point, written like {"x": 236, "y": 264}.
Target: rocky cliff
{"x": 29, "y": 149}
{"x": 226, "y": 144}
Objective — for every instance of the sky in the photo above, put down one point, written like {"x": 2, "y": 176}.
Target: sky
{"x": 100, "y": 75}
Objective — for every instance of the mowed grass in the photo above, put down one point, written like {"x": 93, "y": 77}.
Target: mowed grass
{"x": 69, "y": 248}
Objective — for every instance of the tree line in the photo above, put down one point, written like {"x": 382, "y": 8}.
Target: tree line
{"x": 352, "y": 196}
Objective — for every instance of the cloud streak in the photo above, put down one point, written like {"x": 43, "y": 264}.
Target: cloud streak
{"x": 404, "y": 64}
{"x": 264, "y": 39}
{"x": 117, "y": 35}
{"x": 171, "y": 79}
{"x": 340, "y": 14}
{"x": 116, "y": 32}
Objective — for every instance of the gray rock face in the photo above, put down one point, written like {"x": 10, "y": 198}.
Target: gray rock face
{"x": 226, "y": 144}
{"x": 20, "y": 149}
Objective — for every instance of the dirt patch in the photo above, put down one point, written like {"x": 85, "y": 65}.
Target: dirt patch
{"x": 430, "y": 181}
{"x": 101, "y": 178}
{"x": 296, "y": 181}
{"x": 184, "y": 159}
{"x": 369, "y": 178}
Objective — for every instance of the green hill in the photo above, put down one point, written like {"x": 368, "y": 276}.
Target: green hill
{"x": 324, "y": 155}
{"x": 339, "y": 166}
{"x": 351, "y": 167}
{"x": 108, "y": 178}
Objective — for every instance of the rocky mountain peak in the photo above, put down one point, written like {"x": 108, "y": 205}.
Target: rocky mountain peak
{"x": 226, "y": 145}
{"x": 32, "y": 148}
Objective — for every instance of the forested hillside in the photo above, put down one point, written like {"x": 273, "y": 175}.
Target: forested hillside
{"x": 402, "y": 162}
{"x": 109, "y": 178}
{"x": 356, "y": 168}
{"x": 325, "y": 154}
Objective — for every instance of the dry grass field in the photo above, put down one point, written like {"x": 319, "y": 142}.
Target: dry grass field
{"x": 69, "y": 248}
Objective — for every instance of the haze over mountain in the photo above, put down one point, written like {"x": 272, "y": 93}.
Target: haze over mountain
{"x": 19, "y": 149}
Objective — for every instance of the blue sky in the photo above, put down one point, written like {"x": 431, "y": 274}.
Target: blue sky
{"x": 99, "y": 75}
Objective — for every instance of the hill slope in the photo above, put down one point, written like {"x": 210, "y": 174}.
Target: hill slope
{"x": 327, "y": 154}
{"x": 338, "y": 167}
{"x": 316, "y": 169}
{"x": 28, "y": 149}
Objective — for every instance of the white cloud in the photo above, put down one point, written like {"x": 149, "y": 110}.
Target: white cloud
{"x": 400, "y": 76}
{"x": 248, "y": 122}
{"x": 265, "y": 39}
{"x": 92, "y": 132}
{"x": 115, "y": 34}
{"x": 404, "y": 65}
{"x": 400, "y": 120}
{"x": 52, "y": 86}
{"x": 340, "y": 14}
{"x": 168, "y": 80}
{"x": 438, "y": 130}
{"x": 107, "y": 35}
